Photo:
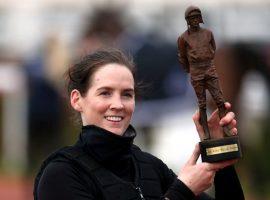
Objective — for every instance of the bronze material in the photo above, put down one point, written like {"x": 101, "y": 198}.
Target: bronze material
{"x": 196, "y": 52}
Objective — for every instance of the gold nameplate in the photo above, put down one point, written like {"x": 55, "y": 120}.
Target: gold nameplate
{"x": 221, "y": 149}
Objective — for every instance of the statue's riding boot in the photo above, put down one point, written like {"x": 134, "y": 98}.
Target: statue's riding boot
{"x": 222, "y": 112}
{"x": 204, "y": 123}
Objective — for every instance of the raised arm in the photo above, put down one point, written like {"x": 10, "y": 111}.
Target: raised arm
{"x": 226, "y": 180}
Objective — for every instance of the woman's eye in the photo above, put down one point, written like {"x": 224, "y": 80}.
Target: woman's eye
{"x": 129, "y": 95}
{"x": 105, "y": 93}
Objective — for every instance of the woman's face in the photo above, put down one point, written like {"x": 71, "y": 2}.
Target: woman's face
{"x": 110, "y": 101}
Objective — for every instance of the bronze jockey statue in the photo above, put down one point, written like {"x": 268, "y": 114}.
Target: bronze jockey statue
{"x": 196, "y": 51}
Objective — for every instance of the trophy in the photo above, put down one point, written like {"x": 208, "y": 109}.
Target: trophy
{"x": 196, "y": 51}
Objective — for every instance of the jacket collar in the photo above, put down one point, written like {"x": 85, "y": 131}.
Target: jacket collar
{"x": 105, "y": 146}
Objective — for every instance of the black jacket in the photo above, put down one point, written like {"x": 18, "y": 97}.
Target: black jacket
{"x": 63, "y": 179}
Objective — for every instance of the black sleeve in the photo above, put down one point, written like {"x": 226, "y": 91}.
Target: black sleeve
{"x": 227, "y": 185}
{"x": 173, "y": 188}
{"x": 61, "y": 181}
{"x": 178, "y": 191}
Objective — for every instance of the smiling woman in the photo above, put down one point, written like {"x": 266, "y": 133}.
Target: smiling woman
{"x": 104, "y": 163}
{"x": 109, "y": 102}
{"x": 98, "y": 77}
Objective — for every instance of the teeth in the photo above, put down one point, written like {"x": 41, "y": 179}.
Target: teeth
{"x": 114, "y": 118}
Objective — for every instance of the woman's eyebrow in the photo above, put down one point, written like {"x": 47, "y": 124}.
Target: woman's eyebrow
{"x": 129, "y": 90}
{"x": 104, "y": 88}
{"x": 109, "y": 88}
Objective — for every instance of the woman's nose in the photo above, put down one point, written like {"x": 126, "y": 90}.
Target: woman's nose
{"x": 116, "y": 103}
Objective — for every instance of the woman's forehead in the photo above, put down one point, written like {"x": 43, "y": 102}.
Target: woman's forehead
{"x": 113, "y": 74}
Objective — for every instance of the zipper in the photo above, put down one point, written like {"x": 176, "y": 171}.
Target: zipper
{"x": 136, "y": 182}
{"x": 140, "y": 192}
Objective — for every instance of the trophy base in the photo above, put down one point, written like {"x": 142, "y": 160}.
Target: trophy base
{"x": 216, "y": 150}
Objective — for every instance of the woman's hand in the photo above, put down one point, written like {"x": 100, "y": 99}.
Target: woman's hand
{"x": 216, "y": 124}
{"x": 199, "y": 177}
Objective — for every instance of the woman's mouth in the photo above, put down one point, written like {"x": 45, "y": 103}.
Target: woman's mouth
{"x": 114, "y": 118}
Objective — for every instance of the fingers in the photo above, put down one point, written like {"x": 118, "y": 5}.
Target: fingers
{"x": 234, "y": 131}
{"x": 215, "y": 115}
{"x": 233, "y": 124}
{"x": 232, "y": 127}
{"x": 227, "y": 119}
{"x": 230, "y": 122}
{"x": 195, "y": 155}
{"x": 215, "y": 122}
{"x": 196, "y": 118}
{"x": 227, "y": 105}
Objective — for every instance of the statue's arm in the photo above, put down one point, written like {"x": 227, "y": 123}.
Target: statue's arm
{"x": 182, "y": 53}
{"x": 212, "y": 42}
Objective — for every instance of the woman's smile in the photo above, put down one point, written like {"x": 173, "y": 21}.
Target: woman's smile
{"x": 114, "y": 118}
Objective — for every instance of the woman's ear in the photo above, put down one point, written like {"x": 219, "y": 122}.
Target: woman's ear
{"x": 75, "y": 100}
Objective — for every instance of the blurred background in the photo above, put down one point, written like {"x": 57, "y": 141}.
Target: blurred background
{"x": 39, "y": 40}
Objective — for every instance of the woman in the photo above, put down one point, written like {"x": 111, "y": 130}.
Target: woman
{"x": 104, "y": 163}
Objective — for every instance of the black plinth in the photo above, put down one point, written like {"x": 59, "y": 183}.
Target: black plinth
{"x": 215, "y": 150}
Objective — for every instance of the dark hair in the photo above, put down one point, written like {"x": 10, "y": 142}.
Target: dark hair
{"x": 79, "y": 76}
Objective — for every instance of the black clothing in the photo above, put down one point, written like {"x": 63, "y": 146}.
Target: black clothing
{"x": 63, "y": 179}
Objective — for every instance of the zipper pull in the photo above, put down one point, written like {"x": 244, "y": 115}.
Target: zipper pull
{"x": 140, "y": 193}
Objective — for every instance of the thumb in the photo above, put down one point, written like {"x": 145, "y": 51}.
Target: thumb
{"x": 195, "y": 155}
